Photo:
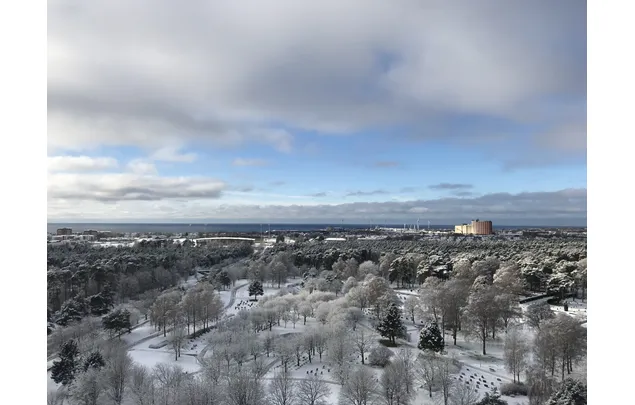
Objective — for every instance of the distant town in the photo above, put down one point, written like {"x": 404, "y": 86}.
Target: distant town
{"x": 476, "y": 229}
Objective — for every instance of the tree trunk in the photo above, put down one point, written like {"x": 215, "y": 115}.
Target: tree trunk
{"x": 484, "y": 339}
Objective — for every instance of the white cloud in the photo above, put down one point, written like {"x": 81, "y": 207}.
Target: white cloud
{"x": 79, "y": 163}
{"x": 172, "y": 154}
{"x": 138, "y": 166}
{"x": 249, "y": 162}
{"x": 230, "y": 72}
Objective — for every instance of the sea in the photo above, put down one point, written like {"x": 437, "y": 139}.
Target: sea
{"x": 239, "y": 228}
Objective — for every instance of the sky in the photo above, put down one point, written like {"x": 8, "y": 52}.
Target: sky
{"x": 317, "y": 111}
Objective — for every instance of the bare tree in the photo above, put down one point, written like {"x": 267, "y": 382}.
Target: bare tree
{"x": 116, "y": 372}
{"x": 426, "y": 370}
{"x": 282, "y": 389}
{"x": 482, "y": 313}
{"x": 197, "y": 392}
{"x": 285, "y": 350}
{"x": 363, "y": 340}
{"x": 306, "y": 310}
{"x": 515, "y": 352}
{"x": 141, "y": 385}
{"x": 320, "y": 340}
{"x": 393, "y": 386}
{"x": 313, "y": 391}
{"x": 268, "y": 342}
{"x": 463, "y": 394}
{"x": 410, "y": 307}
{"x": 405, "y": 364}
{"x": 360, "y": 389}
{"x": 444, "y": 369}
{"x": 298, "y": 347}
{"x": 213, "y": 369}
{"x": 539, "y": 385}
{"x": 170, "y": 379}
{"x": 177, "y": 339}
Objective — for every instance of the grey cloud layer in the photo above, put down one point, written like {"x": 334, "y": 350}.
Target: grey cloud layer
{"x": 160, "y": 71}
{"x": 130, "y": 187}
{"x": 450, "y": 186}
{"x": 560, "y": 205}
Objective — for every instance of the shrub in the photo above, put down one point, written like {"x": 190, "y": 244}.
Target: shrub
{"x": 200, "y": 332}
{"x": 512, "y": 389}
{"x": 379, "y": 356}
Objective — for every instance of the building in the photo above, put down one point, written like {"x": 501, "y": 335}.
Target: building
{"x": 64, "y": 231}
{"x": 482, "y": 227}
{"x": 475, "y": 228}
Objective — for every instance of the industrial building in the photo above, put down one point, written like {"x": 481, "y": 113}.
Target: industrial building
{"x": 64, "y": 231}
{"x": 475, "y": 228}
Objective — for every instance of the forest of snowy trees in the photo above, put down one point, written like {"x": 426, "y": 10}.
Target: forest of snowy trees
{"x": 351, "y": 314}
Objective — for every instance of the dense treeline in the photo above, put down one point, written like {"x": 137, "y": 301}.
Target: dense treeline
{"x": 82, "y": 279}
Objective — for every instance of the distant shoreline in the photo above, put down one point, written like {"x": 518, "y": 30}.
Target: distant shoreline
{"x": 256, "y": 227}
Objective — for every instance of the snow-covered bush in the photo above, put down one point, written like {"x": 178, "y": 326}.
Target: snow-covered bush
{"x": 379, "y": 356}
{"x": 512, "y": 389}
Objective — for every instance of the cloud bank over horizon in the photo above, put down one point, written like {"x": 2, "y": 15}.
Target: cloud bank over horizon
{"x": 249, "y": 110}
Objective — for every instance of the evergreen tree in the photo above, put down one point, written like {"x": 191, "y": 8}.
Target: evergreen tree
{"x": 72, "y": 310}
{"x": 117, "y": 322}
{"x": 571, "y": 392}
{"x": 390, "y": 326}
{"x": 431, "y": 339}
{"x": 255, "y": 289}
{"x": 64, "y": 370}
{"x": 493, "y": 398}
{"x": 94, "y": 360}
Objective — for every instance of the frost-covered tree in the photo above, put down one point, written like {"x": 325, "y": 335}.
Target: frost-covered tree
{"x": 55, "y": 397}
{"x": 244, "y": 388}
{"x": 462, "y": 394}
{"x": 363, "y": 340}
{"x": 367, "y": 268}
{"x": 570, "y": 392}
{"x": 88, "y": 388}
{"x": 141, "y": 385}
{"x": 390, "y": 325}
{"x": 430, "y": 338}
{"x": 537, "y": 313}
{"x": 360, "y": 389}
{"x": 116, "y": 374}
{"x": 255, "y": 289}
{"x": 94, "y": 360}
{"x": 492, "y": 398}
{"x": 313, "y": 391}
{"x": 481, "y": 313}
{"x": 411, "y": 306}
{"x": 539, "y": 385}
{"x": 515, "y": 352}
{"x": 339, "y": 350}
